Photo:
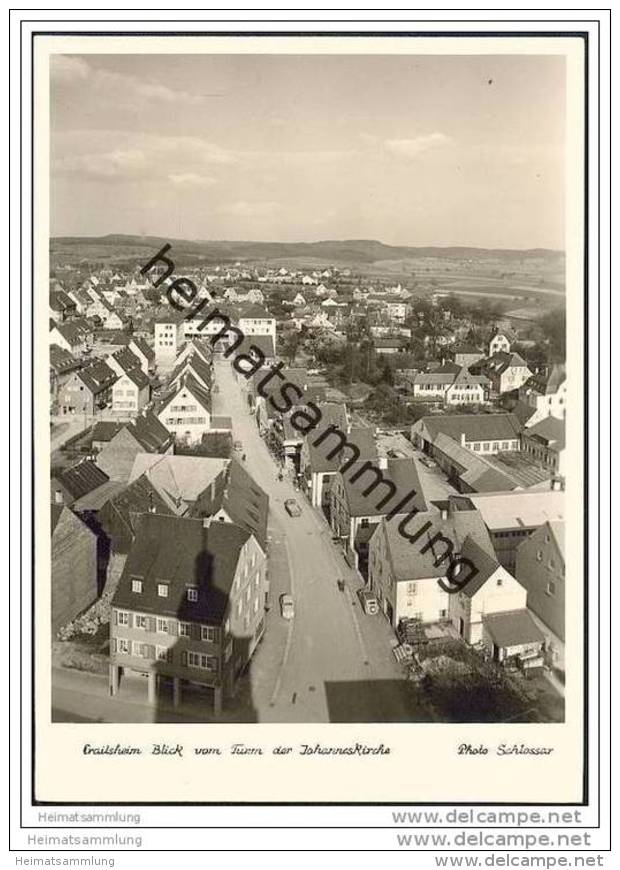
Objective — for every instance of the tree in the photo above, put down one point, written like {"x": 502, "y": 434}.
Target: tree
{"x": 553, "y": 325}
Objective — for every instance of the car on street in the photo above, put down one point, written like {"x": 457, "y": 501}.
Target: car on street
{"x": 292, "y": 508}
{"x": 428, "y": 462}
{"x": 287, "y": 606}
{"x": 369, "y": 602}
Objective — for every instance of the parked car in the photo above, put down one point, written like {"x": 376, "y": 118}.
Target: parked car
{"x": 430, "y": 463}
{"x": 292, "y": 508}
{"x": 287, "y": 606}
{"x": 369, "y": 601}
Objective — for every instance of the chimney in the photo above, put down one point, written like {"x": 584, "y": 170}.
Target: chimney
{"x": 206, "y": 522}
{"x": 462, "y": 439}
{"x": 382, "y": 462}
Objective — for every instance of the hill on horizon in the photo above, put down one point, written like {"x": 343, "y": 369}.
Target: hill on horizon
{"x": 350, "y": 251}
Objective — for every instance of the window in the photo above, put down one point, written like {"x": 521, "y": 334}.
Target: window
{"x": 550, "y": 588}
{"x": 443, "y": 614}
{"x": 122, "y": 618}
{"x": 500, "y": 581}
{"x": 412, "y": 588}
{"x": 163, "y": 654}
{"x": 185, "y": 629}
{"x": 200, "y": 660}
{"x": 208, "y": 633}
{"x": 123, "y": 646}
{"x": 192, "y": 594}
{"x": 162, "y": 626}
{"x": 162, "y": 590}
{"x": 136, "y": 584}
{"x": 140, "y": 621}
{"x": 141, "y": 650}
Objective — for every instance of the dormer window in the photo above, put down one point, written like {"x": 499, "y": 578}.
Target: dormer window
{"x": 192, "y": 593}
{"x": 162, "y": 590}
{"x": 136, "y": 585}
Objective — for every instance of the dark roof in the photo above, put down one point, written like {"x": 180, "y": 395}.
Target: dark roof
{"x": 522, "y": 411}
{"x": 200, "y": 368}
{"x": 475, "y": 427}
{"x": 263, "y": 343}
{"x": 60, "y": 301}
{"x": 97, "y": 376}
{"x": 194, "y": 387}
{"x": 512, "y": 628}
{"x": 140, "y": 379}
{"x": 182, "y": 552}
{"x": 62, "y": 360}
{"x": 550, "y": 431}
{"x": 149, "y": 431}
{"x": 126, "y": 359}
{"x": 318, "y": 454}
{"x": 245, "y": 503}
{"x": 104, "y": 430}
{"x": 547, "y": 383}
{"x": 485, "y": 565}
{"x": 144, "y": 347}
{"x": 254, "y": 310}
{"x": 124, "y": 509}
{"x": 56, "y": 510}
{"x": 81, "y": 478}
{"x": 401, "y": 472}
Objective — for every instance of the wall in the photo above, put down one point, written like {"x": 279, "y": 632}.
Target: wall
{"x": 74, "y": 569}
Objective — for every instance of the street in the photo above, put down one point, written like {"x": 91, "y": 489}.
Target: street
{"x": 330, "y": 663}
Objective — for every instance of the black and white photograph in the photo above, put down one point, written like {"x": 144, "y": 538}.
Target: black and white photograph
{"x": 316, "y": 473}
{"x": 312, "y": 519}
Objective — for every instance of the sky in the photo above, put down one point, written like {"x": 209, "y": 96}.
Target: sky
{"x": 410, "y": 150}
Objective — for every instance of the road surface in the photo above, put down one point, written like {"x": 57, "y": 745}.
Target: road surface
{"x": 331, "y": 663}
{"x": 334, "y": 662}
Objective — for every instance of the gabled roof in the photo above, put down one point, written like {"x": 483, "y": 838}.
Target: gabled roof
{"x": 254, "y": 310}
{"x": 138, "y": 377}
{"x": 401, "y": 472}
{"x": 178, "y": 479}
{"x": 240, "y": 497}
{"x": 105, "y": 430}
{"x": 475, "y": 427}
{"x": 502, "y": 361}
{"x": 182, "y": 553}
{"x": 144, "y": 347}
{"x": 549, "y": 383}
{"x": 475, "y": 469}
{"x": 60, "y": 301}
{"x": 126, "y": 359}
{"x": 189, "y": 382}
{"x": 97, "y": 376}
{"x": 71, "y": 333}
{"x": 193, "y": 363}
{"x": 81, "y": 478}
{"x": 485, "y": 564}
{"x": 62, "y": 360}
{"x": 362, "y": 438}
{"x": 150, "y": 432}
{"x": 549, "y": 431}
